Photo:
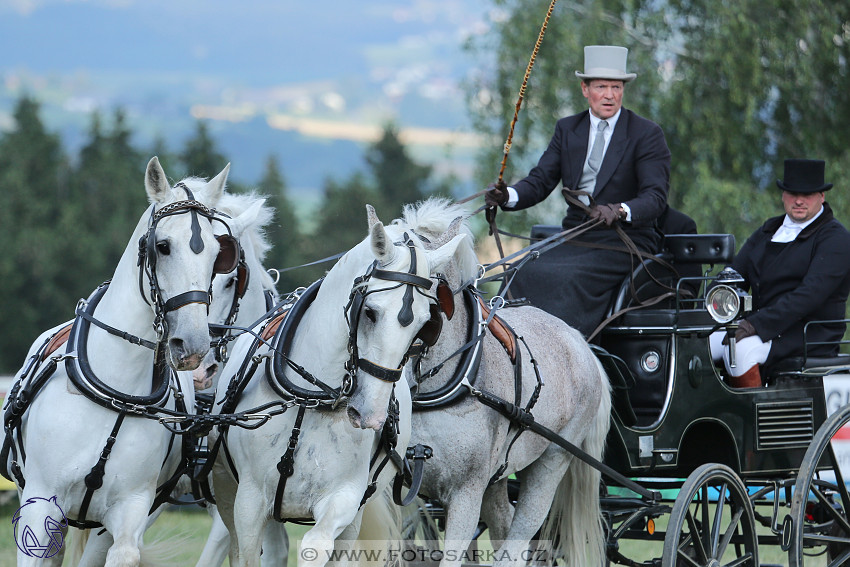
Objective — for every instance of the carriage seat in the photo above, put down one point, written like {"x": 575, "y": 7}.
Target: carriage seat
{"x": 686, "y": 253}
{"x": 801, "y": 364}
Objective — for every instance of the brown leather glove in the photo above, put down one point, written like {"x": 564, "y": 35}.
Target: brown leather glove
{"x": 745, "y": 329}
{"x": 497, "y": 195}
{"x": 608, "y": 213}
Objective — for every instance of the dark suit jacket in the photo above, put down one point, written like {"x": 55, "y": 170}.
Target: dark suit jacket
{"x": 804, "y": 280}
{"x": 634, "y": 171}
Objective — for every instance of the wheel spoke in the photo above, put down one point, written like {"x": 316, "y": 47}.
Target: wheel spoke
{"x": 839, "y": 478}
{"x": 730, "y": 531}
{"x": 836, "y": 515}
{"x": 696, "y": 540}
{"x": 718, "y": 516}
{"x": 841, "y": 559}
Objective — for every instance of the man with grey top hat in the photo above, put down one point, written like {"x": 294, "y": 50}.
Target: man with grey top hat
{"x": 797, "y": 267}
{"x": 617, "y": 165}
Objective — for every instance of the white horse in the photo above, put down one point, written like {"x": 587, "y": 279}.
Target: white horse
{"x": 90, "y": 436}
{"x": 239, "y": 299}
{"x": 340, "y": 352}
{"x": 475, "y": 448}
{"x": 250, "y": 292}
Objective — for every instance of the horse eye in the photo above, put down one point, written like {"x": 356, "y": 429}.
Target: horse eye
{"x": 370, "y": 314}
{"x": 163, "y": 248}
{"x": 229, "y": 283}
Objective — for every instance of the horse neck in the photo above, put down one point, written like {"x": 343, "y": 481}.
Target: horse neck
{"x": 321, "y": 341}
{"x": 115, "y": 361}
{"x": 452, "y": 337}
{"x": 253, "y": 304}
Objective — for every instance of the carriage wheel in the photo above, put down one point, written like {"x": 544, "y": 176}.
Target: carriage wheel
{"x": 712, "y": 522}
{"x": 818, "y": 522}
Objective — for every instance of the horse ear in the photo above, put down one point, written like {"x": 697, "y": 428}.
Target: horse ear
{"x": 371, "y": 216}
{"x": 248, "y": 217}
{"x": 382, "y": 246}
{"x": 437, "y": 259}
{"x": 216, "y": 185}
{"x": 451, "y": 232}
{"x": 156, "y": 184}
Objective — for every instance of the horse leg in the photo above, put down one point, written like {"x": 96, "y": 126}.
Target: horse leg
{"x": 333, "y": 515}
{"x": 31, "y": 529}
{"x": 462, "y": 513}
{"x": 275, "y": 545}
{"x": 218, "y": 542}
{"x": 538, "y": 483}
{"x": 249, "y": 522}
{"x": 225, "y": 487}
{"x": 497, "y": 512}
{"x": 96, "y": 547}
{"x": 126, "y": 522}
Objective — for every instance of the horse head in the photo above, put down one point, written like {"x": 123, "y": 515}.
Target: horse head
{"x": 179, "y": 254}
{"x": 389, "y": 307}
{"x": 238, "y": 296}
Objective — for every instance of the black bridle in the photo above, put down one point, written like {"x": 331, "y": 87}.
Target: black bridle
{"x": 226, "y": 261}
{"x": 354, "y": 308}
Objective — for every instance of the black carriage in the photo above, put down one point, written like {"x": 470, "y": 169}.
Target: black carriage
{"x": 728, "y": 469}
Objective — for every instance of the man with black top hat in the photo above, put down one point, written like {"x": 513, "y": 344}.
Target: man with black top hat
{"x": 617, "y": 165}
{"x": 797, "y": 267}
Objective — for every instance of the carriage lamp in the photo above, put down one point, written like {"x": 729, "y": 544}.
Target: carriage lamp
{"x": 725, "y": 302}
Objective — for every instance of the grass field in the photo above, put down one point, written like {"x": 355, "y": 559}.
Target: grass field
{"x": 185, "y": 531}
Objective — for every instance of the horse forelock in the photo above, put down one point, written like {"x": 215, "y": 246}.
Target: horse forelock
{"x": 432, "y": 218}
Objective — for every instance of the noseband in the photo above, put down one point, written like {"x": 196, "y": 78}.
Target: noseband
{"x": 225, "y": 262}
{"x": 353, "y": 311}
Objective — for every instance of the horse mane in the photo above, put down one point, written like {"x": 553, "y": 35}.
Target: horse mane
{"x": 234, "y": 205}
{"x": 432, "y": 217}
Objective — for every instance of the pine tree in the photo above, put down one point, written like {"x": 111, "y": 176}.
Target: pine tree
{"x": 284, "y": 233}
{"x": 36, "y": 234}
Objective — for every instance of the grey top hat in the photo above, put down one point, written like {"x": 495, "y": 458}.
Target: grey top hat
{"x": 804, "y": 176}
{"x": 605, "y": 62}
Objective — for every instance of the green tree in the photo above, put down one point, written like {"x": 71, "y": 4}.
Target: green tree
{"x": 340, "y": 221}
{"x": 200, "y": 157}
{"x": 398, "y": 179}
{"x": 284, "y": 233}
{"x": 36, "y": 234}
{"x": 736, "y": 92}
{"x": 108, "y": 185}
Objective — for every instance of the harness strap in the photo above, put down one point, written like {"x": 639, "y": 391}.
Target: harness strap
{"x": 94, "y": 479}
{"x": 382, "y": 373}
{"x": 525, "y": 420}
{"x": 185, "y": 298}
{"x": 418, "y": 454}
{"x": 133, "y": 339}
{"x": 286, "y": 466}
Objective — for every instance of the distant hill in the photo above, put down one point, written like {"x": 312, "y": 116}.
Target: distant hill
{"x": 168, "y": 63}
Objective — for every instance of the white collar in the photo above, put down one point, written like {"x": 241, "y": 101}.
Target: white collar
{"x": 612, "y": 122}
{"x": 788, "y": 222}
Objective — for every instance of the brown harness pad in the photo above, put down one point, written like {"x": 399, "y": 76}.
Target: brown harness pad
{"x": 56, "y": 341}
{"x": 271, "y": 328}
{"x": 500, "y": 330}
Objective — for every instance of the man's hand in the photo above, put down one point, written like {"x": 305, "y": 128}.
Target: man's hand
{"x": 497, "y": 195}
{"x": 608, "y": 213}
{"x": 745, "y": 329}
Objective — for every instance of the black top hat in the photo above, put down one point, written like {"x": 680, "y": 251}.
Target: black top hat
{"x": 804, "y": 176}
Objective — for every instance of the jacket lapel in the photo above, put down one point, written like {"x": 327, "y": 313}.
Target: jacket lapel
{"x": 616, "y": 148}
{"x": 577, "y": 142}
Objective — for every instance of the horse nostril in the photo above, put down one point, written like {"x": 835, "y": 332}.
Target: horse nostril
{"x": 354, "y": 416}
{"x": 177, "y": 348}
